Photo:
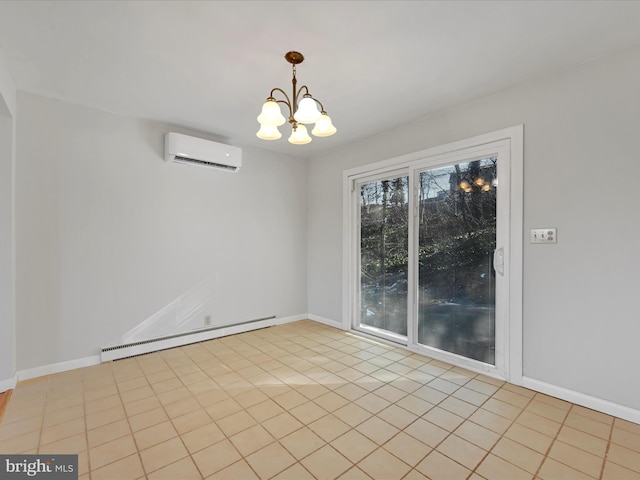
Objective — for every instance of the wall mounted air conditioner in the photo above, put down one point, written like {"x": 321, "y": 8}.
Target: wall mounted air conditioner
{"x": 188, "y": 150}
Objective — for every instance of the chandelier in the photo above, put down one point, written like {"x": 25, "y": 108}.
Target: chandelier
{"x": 301, "y": 111}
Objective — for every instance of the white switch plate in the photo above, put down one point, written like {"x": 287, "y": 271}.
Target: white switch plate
{"x": 543, "y": 235}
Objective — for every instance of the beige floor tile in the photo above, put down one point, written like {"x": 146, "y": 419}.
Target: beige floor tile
{"x": 415, "y": 475}
{"x": 326, "y": 463}
{"x": 302, "y": 442}
{"x": 112, "y": 451}
{"x": 154, "y": 435}
{"x": 518, "y": 454}
{"x": 583, "y": 441}
{"x": 397, "y": 416}
{"x": 613, "y": 471}
{"x": 625, "y": 438}
{"x": 495, "y": 468}
{"x": 281, "y": 394}
{"x": 553, "y": 470}
{"x": 628, "y": 426}
{"x": 141, "y": 406}
{"x": 576, "y": 458}
{"x": 462, "y": 451}
{"x": 546, "y": 410}
{"x": 426, "y": 432}
{"x": 63, "y": 430}
{"x": 238, "y": 471}
{"x": 443, "y": 418}
{"x": 191, "y": 421}
{"x": 354, "y": 445}
{"x": 71, "y": 445}
{"x": 202, "y": 437}
{"x": 308, "y": 412}
{"x": 172, "y": 396}
{"x": 290, "y": 399}
{"x": 163, "y": 454}
{"x": 128, "y": 468}
{"x": 236, "y": 423}
{"x": 281, "y": 425}
{"x": 587, "y": 425}
{"x": 373, "y": 403}
{"x": 539, "y": 424}
{"x": 458, "y": 407}
{"x": 501, "y": 408}
{"x": 147, "y": 419}
{"x": 265, "y": 410}
{"x": 390, "y": 393}
{"x": 216, "y": 457}
{"x": 329, "y": 427}
{"x": 377, "y": 430}
{"x": 331, "y": 401}
{"x": 182, "y": 407}
{"x": 436, "y": 467}
{"x": 407, "y": 448}
{"x": 251, "y": 440}
{"x": 625, "y": 457}
{"x": 354, "y": 473}
{"x": 529, "y": 438}
{"x": 589, "y": 413}
{"x": 415, "y": 405}
{"x": 183, "y": 469}
{"x": 470, "y": 396}
{"x": 294, "y": 472}
{"x": 381, "y": 464}
{"x": 270, "y": 460}
{"x": 21, "y": 443}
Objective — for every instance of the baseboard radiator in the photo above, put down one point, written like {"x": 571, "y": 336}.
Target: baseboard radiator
{"x": 115, "y": 352}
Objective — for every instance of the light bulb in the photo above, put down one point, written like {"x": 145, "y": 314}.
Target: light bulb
{"x": 268, "y": 132}
{"x": 299, "y": 135}
{"x": 324, "y": 127}
{"x": 271, "y": 114}
{"x": 464, "y": 185}
{"x": 307, "y": 110}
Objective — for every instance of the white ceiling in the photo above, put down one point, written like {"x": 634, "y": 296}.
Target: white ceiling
{"x": 209, "y": 65}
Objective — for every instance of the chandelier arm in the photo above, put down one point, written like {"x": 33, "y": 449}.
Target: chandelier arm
{"x": 287, "y": 102}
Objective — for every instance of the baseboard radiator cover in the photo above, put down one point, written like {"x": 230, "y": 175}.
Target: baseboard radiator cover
{"x": 125, "y": 350}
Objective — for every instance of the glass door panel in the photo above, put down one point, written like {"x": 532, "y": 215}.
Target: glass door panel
{"x": 456, "y": 240}
{"x": 384, "y": 226}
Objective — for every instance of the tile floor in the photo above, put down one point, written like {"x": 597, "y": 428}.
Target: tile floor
{"x": 303, "y": 401}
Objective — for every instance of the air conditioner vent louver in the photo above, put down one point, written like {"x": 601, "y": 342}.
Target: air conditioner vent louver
{"x": 195, "y": 151}
{"x": 195, "y": 161}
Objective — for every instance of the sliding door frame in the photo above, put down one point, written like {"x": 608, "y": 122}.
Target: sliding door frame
{"x": 509, "y": 140}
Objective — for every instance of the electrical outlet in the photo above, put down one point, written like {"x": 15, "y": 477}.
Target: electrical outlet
{"x": 543, "y": 235}
{"x": 207, "y": 320}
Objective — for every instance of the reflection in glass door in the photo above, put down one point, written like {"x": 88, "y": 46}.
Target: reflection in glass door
{"x": 384, "y": 224}
{"x": 456, "y": 241}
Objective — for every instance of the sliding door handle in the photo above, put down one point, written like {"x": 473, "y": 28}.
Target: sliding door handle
{"x": 498, "y": 260}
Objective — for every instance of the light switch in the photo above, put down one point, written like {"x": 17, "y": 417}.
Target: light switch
{"x": 543, "y": 235}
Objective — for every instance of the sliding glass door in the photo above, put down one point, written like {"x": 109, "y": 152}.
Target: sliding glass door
{"x": 456, "y": 242}
{"x": 384, "y": 235}
{"x": 430, "y": 255}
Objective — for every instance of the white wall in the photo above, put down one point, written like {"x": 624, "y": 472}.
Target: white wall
{"x": 108, "y": 234}
{"x": 7, "y": 256}
{"x": 582, "y": 166}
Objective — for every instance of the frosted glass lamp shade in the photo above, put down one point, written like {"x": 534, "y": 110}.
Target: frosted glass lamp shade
{"x": 307, "y": 111}
{"x": 299, "y": 135}
{"x": 324, "y": 127}
{"x": 268, "y": 132}
{"x": 271, "y": 114}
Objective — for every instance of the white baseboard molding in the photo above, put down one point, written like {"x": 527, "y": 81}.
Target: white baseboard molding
{"x": 57, "y": 367}
{"x": 326, "y": 321}
{"x": 594, "y": 403}
{"x": 153, "y": 345}
{"x": 8, "y": 384}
